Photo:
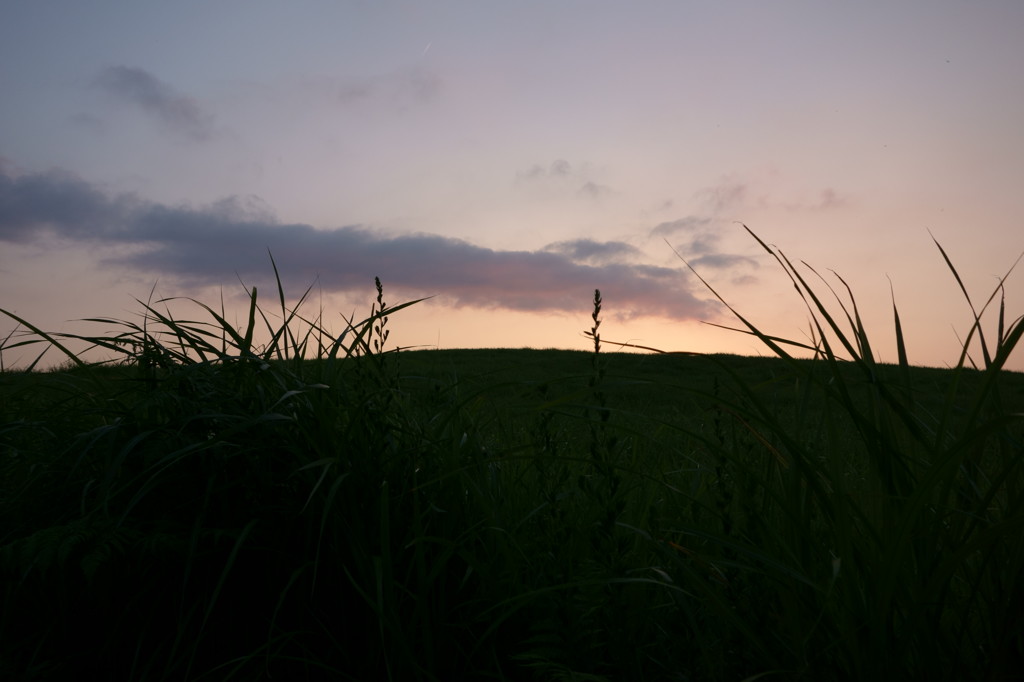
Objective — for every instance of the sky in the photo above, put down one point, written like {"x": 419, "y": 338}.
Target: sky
{"x": 507, "y": 158}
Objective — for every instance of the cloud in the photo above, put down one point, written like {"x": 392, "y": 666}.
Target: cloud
{"x": 727, "y": 195}
{"x": 700, "y": 246}
{"x": 722, "y": 260}
{"x": 687, "y": 224}
{"x": 700, "y": 237}
{"x": 207, "y": 245}
{"x": 559, "y": 178}
{"x": 730, "y": 196}
{"x": 559, "y": 168}
{"x": 54, "y": 202}
{"x": 592, "y": 190}
{"x": 703, "y": 243}
{"x": 179, "y": 114}
{"x": 588, "y": 250}
{"x": 697, "y": 237}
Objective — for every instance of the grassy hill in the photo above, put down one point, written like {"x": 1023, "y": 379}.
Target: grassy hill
{"x": 512, "y": 514}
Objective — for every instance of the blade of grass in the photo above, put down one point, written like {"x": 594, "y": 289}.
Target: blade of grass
{"x": 39, "y": 332}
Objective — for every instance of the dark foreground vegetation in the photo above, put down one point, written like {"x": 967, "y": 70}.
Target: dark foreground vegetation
{"x": 317, "y": 508}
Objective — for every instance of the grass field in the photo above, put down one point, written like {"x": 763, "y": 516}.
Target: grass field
{"x": 315, "y": 507}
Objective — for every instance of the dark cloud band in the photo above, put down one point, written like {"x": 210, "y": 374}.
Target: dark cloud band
{"x": 204, "y": 246}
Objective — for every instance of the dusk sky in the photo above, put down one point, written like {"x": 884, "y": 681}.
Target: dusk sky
{"x": 508, "y": 158}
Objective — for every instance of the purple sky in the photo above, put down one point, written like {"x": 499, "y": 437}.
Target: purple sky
{"x": 508, "y": 158}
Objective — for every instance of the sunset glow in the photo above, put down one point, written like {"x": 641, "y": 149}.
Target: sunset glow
{"x": 507, "y": 159}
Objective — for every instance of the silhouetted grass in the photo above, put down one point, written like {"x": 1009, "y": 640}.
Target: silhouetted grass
{"x": 315, "y": 507}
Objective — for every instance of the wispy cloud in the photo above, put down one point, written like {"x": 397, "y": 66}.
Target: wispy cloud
{"x": 592, "y": 190}
{"x": 561, "y": 177}
{"x": 698, "y": 240}
{"x": 207, "y": 245}
{"x": 727, "y": 195}
{"x": 697, "y": 237}
{"x": 730, "y": 196}
{"x": 559, "y": 168}
{"x": 721, "y": 261}
{"x": 687, "y": 224}
{"x": 588, "y": 250}
{"x": 177, "y": 113}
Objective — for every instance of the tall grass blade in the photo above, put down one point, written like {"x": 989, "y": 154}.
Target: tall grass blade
{"x": 49, "y": 338}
